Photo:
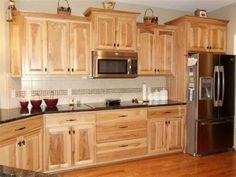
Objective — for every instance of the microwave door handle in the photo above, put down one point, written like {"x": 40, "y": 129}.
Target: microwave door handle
{"x": 221, "y": 70}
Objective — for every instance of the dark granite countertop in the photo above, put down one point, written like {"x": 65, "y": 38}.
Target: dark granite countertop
{"x": 15, "y": 172}
{"x": 9, "y": 115}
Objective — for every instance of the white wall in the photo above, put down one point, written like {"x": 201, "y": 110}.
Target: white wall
{"x": 78, "y": 7}
{"x": 229, "y": 13}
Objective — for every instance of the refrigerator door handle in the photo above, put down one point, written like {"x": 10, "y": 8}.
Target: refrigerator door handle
{"x": 216, "y": 123}
{"x": 221, "y": 70}
{"x": 216, "y": 93}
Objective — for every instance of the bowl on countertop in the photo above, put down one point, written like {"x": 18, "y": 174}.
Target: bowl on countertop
{"x": 24, "y": 104}
{"x": 51, "y": 102}
{"x": 36, "y": 103}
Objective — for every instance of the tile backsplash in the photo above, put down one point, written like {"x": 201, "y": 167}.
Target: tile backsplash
{"x": 84, "y": 90}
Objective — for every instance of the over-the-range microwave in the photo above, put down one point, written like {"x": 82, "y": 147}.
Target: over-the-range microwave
{"x": 106, "y": 64}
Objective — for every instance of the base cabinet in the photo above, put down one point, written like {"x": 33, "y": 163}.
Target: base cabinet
{"x": 165, "y": 130}
{"x": 8, "y": 153}
{"x": 70, "y": 141}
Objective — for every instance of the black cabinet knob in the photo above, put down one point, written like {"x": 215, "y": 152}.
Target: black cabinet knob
{"x": 155, "y": 70}
{"x": 72, "y": 69}
{"x": 114, "y": 45}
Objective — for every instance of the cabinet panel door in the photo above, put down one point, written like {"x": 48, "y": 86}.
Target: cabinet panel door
{"x": 83, "y": 144}
{"x": 146, "y": 63}
{"x": 58, "y": 148}
{"x": 31, "y": 151}
{"x": 174, "y": 134}
{"x": 8, "y": 153}
{"x": 58, "y": 47}
{"x": 164, "y": 53}
{"x": 105, "y": 32}
{"x": 126, "y": 33}
{"x": 217, "y": 38}
{"x": 157, "y": 135}
{"x": 80, "y": 48}
{"x": 36, "y": 46}
{"x": 197, "y": 39}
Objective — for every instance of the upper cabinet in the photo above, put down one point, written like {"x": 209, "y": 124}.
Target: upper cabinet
{"x": 113, "y": 30}
{"x": 205, "y": 37}
{"x": 43, "y": 44}
{"x": 156, "y": 48}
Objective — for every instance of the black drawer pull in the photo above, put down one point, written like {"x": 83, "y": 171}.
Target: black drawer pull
{"x": 71, "y": 120}
{"x": 19, "y": 129}
{"x": 123, "y": 126}
{"x": 167, "y": 112}
{"x": 124, "y": 145}
{"x": 19, "y": 144}
{"x": 123, "y": 116}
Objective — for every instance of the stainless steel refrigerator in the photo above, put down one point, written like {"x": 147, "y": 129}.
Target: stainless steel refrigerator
{"x": 210, "y": 105}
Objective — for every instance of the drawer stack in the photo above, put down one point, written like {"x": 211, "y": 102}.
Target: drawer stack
{"x": 121, "y": 134}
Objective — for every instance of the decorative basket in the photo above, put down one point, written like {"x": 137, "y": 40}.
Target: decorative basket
{"x": 150, "y": 19}
{"x": 63, "y": 10}
{"x": 108, "y": 4}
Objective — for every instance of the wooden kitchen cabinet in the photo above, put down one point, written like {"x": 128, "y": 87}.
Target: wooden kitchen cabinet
{"x": 156, "y": 49}
{"x": 58, "y": 47}
{"x": 21, "y": 145}
{"x": 113, "y": 30}
{"x": 194, "y": 34}
{"x": 36, "y": 46}
{"x": 70, "y": 140}
{"x": 80, "y": 48}
{"x": 206, "y": 37}
{"x": 165, "y": 129}
{"x": 83, "y": 144}
{"x": 49, "y": 45}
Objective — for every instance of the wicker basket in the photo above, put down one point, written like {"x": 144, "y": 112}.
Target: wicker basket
{"x": 63, "y": 10}
{"x": 150, "y": 19}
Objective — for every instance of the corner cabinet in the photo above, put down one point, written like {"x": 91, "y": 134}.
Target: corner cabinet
{"x": 50, "y": 45}
{"x": 69, "y": 140}
{"x": 21, "y": 144}
{"x": 113, "y": 30}
{"x": 156, "y": 50}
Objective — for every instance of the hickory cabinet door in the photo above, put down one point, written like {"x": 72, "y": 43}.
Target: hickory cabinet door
{"x": 80, "y": 48}
{"x": 217, "y": 38}
{"x": 175, "y": 134}
{"x": 83, "y": 144}
{"x": 157, "y": 135}
{"x": 31, "y": 151}
{"x": 164, "y": 52}
{"x": 58, "y": 47}
{"x": 197, "y": 39}
{"x": 58, "y": 148}
{"x": 105, "y": 32}
{"x": 8, "y": 153}
{"x": 145, "y": 44}
{"x": 126, "y": 34}
{"x": 36, "y": 46}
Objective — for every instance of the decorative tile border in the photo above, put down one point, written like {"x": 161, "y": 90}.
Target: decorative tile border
{"x": 44, "y": 93}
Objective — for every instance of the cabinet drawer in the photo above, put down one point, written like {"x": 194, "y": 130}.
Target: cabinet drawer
{"x": 53, "y": 120}
{"x": 121, "y": 150}
{"x": 112, "y": 136}
{"x": 19, "y": 128}
{"x": 121, "y": 125}
{"x": 112, "y": 116}
{"x": 165, "y": 112}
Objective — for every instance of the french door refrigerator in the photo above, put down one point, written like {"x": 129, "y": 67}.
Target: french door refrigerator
{"x": 210, "y": 103}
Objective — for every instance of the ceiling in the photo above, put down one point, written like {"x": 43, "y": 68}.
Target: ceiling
{"x": 184, "y": 5}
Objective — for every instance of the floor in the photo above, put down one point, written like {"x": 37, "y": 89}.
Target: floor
{"x": 178, "y": 165}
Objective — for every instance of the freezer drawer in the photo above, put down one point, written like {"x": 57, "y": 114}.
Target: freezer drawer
{"x": 214, "y": 136}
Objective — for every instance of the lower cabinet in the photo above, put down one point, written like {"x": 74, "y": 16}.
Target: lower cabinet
{"x": 21, "y": 144}
{"x": 165, "y": 130}
{"x": 69, "y": 141}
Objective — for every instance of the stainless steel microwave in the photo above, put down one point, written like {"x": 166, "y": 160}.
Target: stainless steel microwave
{"x": 114, "y": 64}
